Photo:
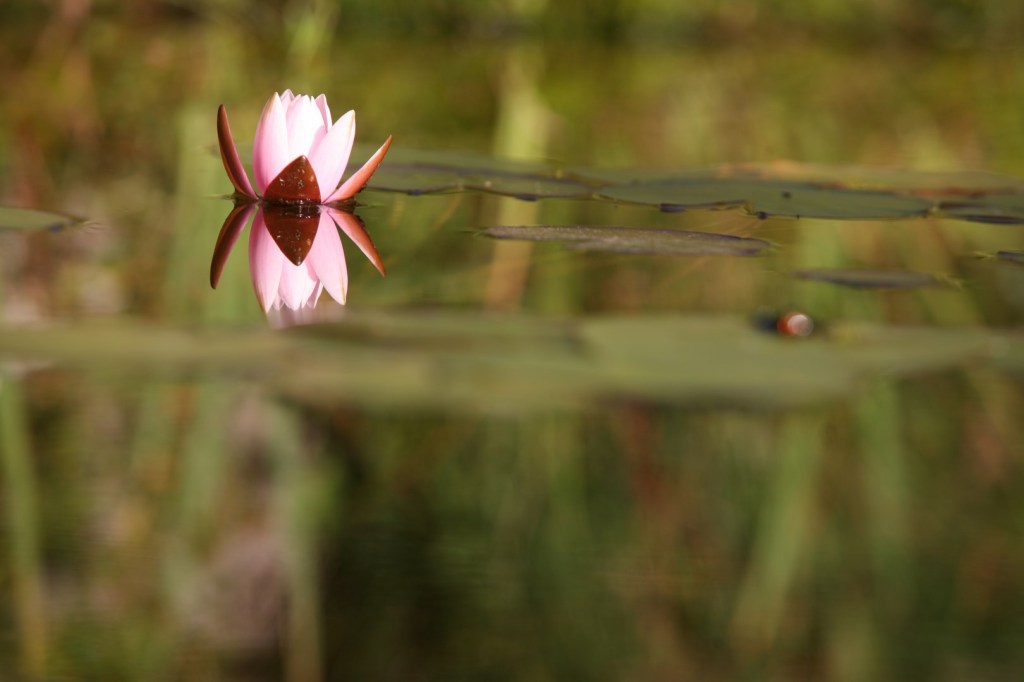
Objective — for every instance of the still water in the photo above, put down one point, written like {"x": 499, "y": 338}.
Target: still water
{"x": 688, "y": 363}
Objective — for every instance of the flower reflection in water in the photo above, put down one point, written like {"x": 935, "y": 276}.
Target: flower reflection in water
{"x": 295, "y": 253}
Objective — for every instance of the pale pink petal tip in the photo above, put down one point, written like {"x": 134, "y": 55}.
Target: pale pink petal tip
{"x": 330, "y": 157}
{"x": 270, "y": 146}
{"x": 325, "y": 111}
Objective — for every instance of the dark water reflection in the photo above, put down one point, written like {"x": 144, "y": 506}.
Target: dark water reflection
{"x": 510, "y": 459}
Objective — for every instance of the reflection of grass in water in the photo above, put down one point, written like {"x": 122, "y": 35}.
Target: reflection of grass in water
{"x": 635, "y": 538}
{"x": 23, "y": 536}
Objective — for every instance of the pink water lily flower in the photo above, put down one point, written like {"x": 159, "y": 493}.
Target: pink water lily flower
{"x": 299, "y": 155}
{"x": 299, "y": 159}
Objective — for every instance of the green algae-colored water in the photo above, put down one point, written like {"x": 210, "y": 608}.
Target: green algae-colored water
{"x": 567, "y": 437}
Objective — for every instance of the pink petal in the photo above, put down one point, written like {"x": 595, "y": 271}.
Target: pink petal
{"x": 305, "y": 124}
{"x": 314, "y": 296}
{"x": 297, "y": 285}
{"x": 327, "y": 260}
{"x": 358, "y": 180}
{"x": 270, "y": 146}
{"x": 352, "y": 226}
{"x": 325, "y": 114}
{"x": 229, "y": 155}
{"x": 265, "y": 263}
{"x": 325, "y": 111}
{"x": 330, "y": 157}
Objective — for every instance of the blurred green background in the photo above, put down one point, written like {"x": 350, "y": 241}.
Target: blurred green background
{"x": 188, "y": 495}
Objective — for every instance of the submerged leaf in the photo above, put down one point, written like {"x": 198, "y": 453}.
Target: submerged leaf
{"x": 634, "y": 239}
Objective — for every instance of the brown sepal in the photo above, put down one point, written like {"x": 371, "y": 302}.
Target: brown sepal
{"x": 296, "y": 184}
{"x": 229, "y": 231}
{"x": 229, "y": 155}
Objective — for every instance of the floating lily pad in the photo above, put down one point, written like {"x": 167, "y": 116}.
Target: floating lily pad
{"x": 940, "y": 185}
{"x": 844, "y": 204}
{"x": 899, "y": 180}
{"x": 461, "y": 161}
{"x": 872, "y": 279}
{"x": 413, "y": 180}
{"x": 529, "y": 187}
{"x": 634, "y": 239}
{"x": 602, "y": 177}
{"x": 417, "y": 172}
{"x": 418, "y": 179}
{"x": 33, "y": 220}
{"x": 784, "y": 189}
{"x": 682, "y": 193}
{"x": 771, "y": 198}
{"x": 1016, "y": 257}
{"x": 996, "y": 209}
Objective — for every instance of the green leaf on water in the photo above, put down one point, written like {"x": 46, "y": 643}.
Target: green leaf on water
{"x": 529, "y": 187}
{"x": 419, "y": 172}
{"x": 414, "y": 179}
{"x": 422, "y": 179}
{"x": 998, "y": 209}
{"x": 634, "y": 239}
{"x": 843, "y": 204}
{"x": 872, "y": 279}
{"x": 769, "y": 198}
{"x": 783, "y": 189}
